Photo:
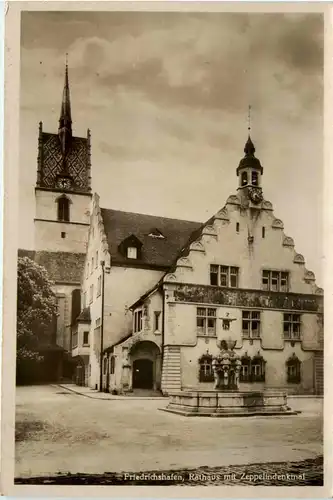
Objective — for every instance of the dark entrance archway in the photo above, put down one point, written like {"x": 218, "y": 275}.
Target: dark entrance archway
{"x": 80, "y": 374}
{"x": 143, "y": 377}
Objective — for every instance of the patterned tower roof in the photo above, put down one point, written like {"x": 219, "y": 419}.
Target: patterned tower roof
{"x": 63, "y": 152}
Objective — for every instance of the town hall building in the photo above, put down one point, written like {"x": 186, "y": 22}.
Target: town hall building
{"x": 143, "y": 300}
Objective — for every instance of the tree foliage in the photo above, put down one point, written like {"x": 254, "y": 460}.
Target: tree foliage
{"x": 36, "y": 307}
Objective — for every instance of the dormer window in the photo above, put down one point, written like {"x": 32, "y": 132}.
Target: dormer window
{"x": 132, "y": 253}
{"x": 131, "y": 247}
{"x": 254, "y": 178}
{"x": 156, "y": 233}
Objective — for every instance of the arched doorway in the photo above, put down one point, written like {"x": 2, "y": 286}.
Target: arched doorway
{"x": 143, "y": 374}
{"x": 80, "y": 376}
{"x": 145, "y": 359}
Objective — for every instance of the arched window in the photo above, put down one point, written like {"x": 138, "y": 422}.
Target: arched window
{"x": 205, "y": 368}
{"x": 112, "y": 365}
{"x": 293, "y": 365}
{"x": 63, "y": 209}
{"x": 254, "y": 178}
{"x": 245, "y": 373}
{"x": 244, "y": 178}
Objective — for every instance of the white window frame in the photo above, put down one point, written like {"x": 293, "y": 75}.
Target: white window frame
{"x": 228, "y": 272}
{"x": 132, "y": 253}
{"x": 292, "y": 320}
{"x": 245, "y": 371}
{"x": 157, "y": 321}
{"x": 85, "y": 344}
{"x": 138, "y": 321}
{"x": 273, "y": 280}
{"x": 251, "y": 317}
{"x": 99, "y": 286}
{"x": 205, "y": 316}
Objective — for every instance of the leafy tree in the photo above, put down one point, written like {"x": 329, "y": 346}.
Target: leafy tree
{"x": 36, "y": 307}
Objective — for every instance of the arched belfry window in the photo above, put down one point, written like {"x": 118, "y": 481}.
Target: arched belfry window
{"x": 244, "y": 179}
{"x": 255, "y": 178}
{"x": 63, "y": 209}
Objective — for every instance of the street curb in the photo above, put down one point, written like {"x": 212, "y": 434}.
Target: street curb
{"x": 119, "y": 398}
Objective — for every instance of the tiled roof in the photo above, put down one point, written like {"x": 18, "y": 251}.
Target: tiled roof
{"x": 159, "y": 252}
{"x": 183, "y": 252}
{"x": 84, "y": 315}
{"x": 64, "y": 267}
{"x": 50, "y": 161}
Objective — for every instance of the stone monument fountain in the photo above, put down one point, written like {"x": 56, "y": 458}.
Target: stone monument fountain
{"x": 226, "y": 400}
{"x": 226, "y": 367}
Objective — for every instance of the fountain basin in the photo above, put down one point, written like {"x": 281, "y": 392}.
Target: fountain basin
{"x": 228, "y": 404}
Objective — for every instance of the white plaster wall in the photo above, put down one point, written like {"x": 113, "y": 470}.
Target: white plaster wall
{"x": 90, "y": 277}
{"x": 181, "y": 329}
{"x": 81, "y": 349}
{"x": 153, "y": 303}
{"x": 276, "y": 373}
{"x": 48, "y": 230}
{"x": 232, "y": 249}
{"x": 48, "y": 236}
{"x": 123, "y": 286}
{"x": 46, "y": 206}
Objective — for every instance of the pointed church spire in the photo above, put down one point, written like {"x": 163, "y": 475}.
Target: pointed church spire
{"x": 65, "y": 113}
{"x": 249, "y": 148}
{"x": 249, "y": 161}
{"x": 65, "y": 120}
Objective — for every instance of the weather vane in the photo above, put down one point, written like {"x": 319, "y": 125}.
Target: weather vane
{"x": 249, "y": 119}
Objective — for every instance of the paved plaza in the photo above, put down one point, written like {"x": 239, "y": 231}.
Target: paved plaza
{"x": 59, "y": 432}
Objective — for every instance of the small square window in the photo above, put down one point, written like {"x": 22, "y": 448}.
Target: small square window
{"x": 63, "y": 234}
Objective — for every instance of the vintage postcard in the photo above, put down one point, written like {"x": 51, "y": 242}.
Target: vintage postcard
{"x": 164, "y": 240}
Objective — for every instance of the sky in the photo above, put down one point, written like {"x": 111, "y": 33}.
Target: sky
{"x": 166, "y": 97}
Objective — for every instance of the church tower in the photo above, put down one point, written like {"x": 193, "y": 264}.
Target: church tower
{"x": 63, "y": 188}
{"x": 250, "y": 172}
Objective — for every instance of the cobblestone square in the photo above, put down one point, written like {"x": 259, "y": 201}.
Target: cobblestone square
{"x": 60, "y": 433}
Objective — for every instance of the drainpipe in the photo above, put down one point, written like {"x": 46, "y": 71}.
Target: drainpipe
{"x": 102, "y": 331}
{"x": 163, "y": 317}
